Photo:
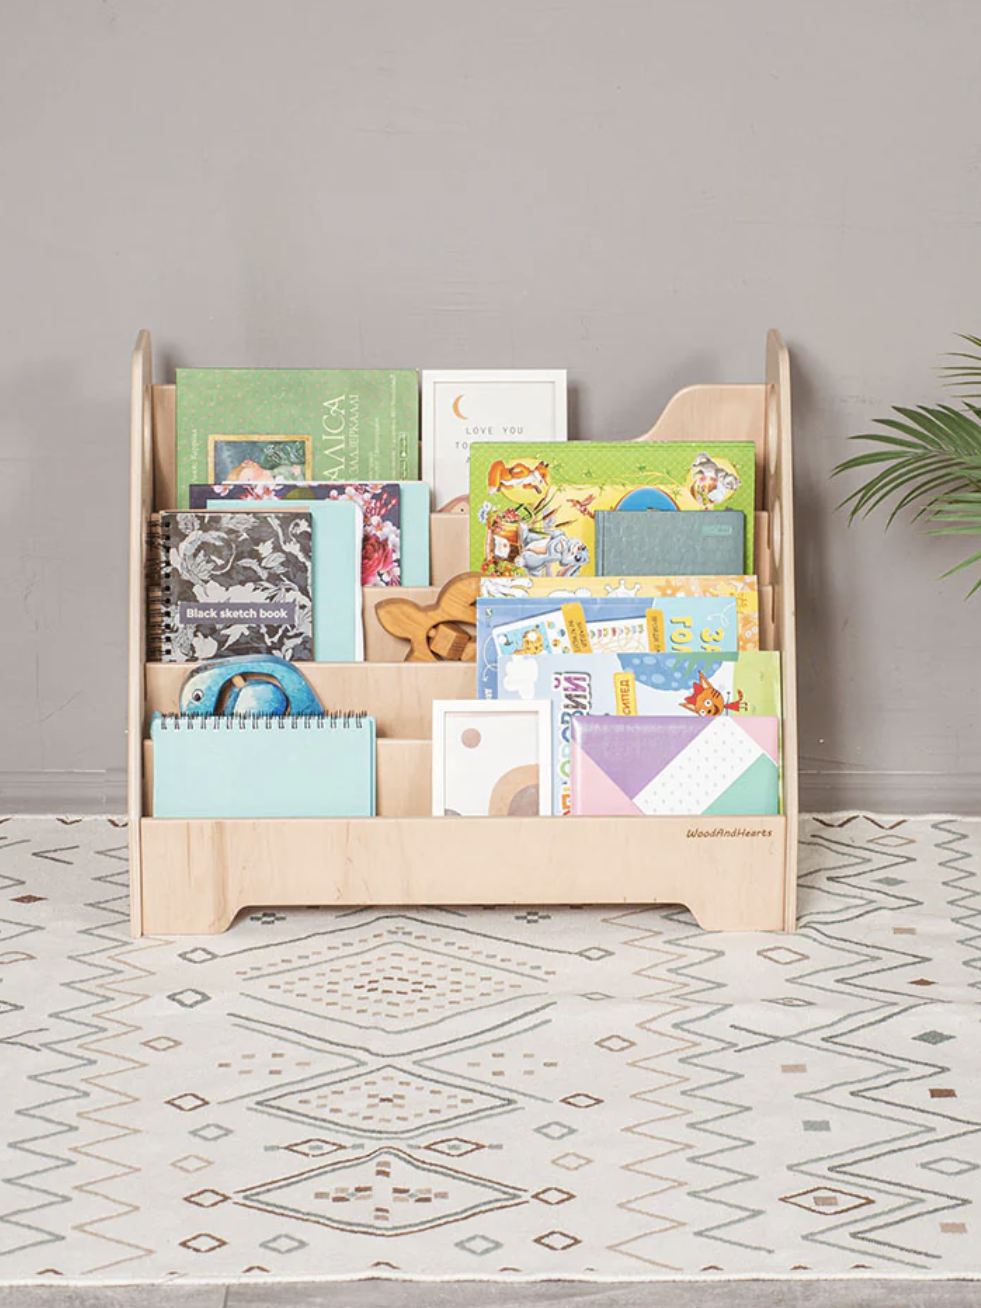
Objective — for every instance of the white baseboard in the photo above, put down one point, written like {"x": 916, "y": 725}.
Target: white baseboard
{"x": 891, "y": 792}
{"x": 63, "y": 793}
{"x": 820, "y": 792}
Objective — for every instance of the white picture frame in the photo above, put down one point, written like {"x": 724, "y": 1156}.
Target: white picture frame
{"x": 460, "y": 406}
{"x": 491, "y": 776}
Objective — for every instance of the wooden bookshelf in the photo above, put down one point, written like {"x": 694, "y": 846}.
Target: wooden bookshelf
{"x": 194, "y": 876}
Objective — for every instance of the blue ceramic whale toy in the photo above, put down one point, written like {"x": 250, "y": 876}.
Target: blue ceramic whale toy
{"x": 260, "y": 684}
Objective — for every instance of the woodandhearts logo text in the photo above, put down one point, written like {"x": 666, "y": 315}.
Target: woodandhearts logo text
{"x": 719, "y": 833}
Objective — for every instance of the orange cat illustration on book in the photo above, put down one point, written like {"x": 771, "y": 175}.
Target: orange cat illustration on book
{"x": 708, "y": 702}
{"x": 520, "y": 482}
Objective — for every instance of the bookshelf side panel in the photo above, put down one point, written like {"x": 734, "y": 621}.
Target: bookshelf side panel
{"x": 780, "y": 497}
{"x": 141, "y": 502}
{"x": 164, "y": 401}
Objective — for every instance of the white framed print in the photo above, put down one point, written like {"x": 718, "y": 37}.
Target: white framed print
{"x": 486, "y": 404}
{"x": 492, "y": 758}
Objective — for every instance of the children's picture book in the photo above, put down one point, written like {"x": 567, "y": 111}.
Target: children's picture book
{"x": 625, "y": 766}
{"x": 648, "y": 685}
{"x": 380, "y": 504}
{"x": 612, "y": 626}
{"x": 295, "y": 424}
{"x": 484, "y": 404}
{"x": 693, "y": 544}
{"x": 562, "y": 589}
{"x": 229, "y": 583}
{"x": 533, "y": 506}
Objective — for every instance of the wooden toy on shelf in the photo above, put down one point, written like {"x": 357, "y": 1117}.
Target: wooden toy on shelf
{"x": 194, "y": 876}
{"x": 437, "y": 632}
{"x": 254, "y": 683}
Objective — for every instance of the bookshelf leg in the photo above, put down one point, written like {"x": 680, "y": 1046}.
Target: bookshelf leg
{"x": 186, "y": 889}
{"x": 748, "y": 899}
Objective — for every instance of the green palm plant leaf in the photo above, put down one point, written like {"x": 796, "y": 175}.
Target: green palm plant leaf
{"x": 928, "y": 459}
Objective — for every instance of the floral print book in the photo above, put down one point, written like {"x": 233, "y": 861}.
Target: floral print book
{"x": 380, "y": 504}
{"x": 229, "y": 583}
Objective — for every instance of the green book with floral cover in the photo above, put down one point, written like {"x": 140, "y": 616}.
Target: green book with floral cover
{"x": 533, "y": 506}
{"x": 296, "y": 424}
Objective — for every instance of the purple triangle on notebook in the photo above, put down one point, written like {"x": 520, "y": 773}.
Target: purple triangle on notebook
{"x": 628, "y": 750}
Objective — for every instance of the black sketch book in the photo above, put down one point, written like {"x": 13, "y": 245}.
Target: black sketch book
{"x": 229, "y": 583}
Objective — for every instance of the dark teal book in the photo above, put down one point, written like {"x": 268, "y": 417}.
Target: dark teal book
{"x": 660, "y": 543}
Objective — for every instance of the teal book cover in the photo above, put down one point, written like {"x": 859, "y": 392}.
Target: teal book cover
{"x": 296, "y": 424}
{"x": 658, "y": 543}
{"x": 256, "y": 767}
{"x": 533, "y": 506}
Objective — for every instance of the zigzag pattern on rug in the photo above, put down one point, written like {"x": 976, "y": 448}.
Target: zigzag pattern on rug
{"x": 493, "y": 1091}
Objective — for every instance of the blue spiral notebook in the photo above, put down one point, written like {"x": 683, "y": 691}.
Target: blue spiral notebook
{"x": 256, "y": 767}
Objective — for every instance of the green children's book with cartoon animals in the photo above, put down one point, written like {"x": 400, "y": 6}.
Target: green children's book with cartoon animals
{"x": 533, "y": 506}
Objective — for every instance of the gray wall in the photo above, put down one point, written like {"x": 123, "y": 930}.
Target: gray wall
{"x": 633, "y": 191}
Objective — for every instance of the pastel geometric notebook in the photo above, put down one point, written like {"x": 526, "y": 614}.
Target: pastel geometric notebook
{"x": 624, "y": 766}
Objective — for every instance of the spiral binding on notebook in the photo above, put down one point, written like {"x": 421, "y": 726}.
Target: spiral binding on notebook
{"x": 160, "y": 621}
{"x": 244, "y": 721}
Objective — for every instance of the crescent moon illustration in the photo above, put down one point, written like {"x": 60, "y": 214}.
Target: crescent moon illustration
{"x": 456, "y": 409}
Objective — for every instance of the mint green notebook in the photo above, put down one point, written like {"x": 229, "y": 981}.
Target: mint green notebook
{"x": 415, "y": 504}
{"x": 338, "y": 627}
{"x": 254, "y": 767}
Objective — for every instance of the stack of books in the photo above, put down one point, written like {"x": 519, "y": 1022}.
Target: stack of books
{"x": 618, "y": 664}
{"x": 619, "y": 594}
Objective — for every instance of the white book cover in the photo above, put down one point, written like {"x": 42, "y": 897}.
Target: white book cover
{"x": 462, "y": 406}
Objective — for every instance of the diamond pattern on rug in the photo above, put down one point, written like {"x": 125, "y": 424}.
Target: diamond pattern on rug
{"x": 386, "y": 1193}
{"x": 387, "y": 1101}
{"x": 493, "y": 1092}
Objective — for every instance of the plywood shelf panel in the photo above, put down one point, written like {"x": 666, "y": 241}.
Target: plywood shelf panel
{"x": 400, "y": 695}
{"x": 217, "y": 868}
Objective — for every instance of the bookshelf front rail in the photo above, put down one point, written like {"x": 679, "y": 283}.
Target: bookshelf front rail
{"x": 733, "y": 873}
{"x": 731, "y": 882}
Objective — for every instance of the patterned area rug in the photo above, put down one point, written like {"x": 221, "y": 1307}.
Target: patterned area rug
{"x": 570, "y": 1092}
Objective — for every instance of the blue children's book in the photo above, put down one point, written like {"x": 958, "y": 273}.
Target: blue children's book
{"x": 257, "y": 767}
{"x": 536, "y": 625}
